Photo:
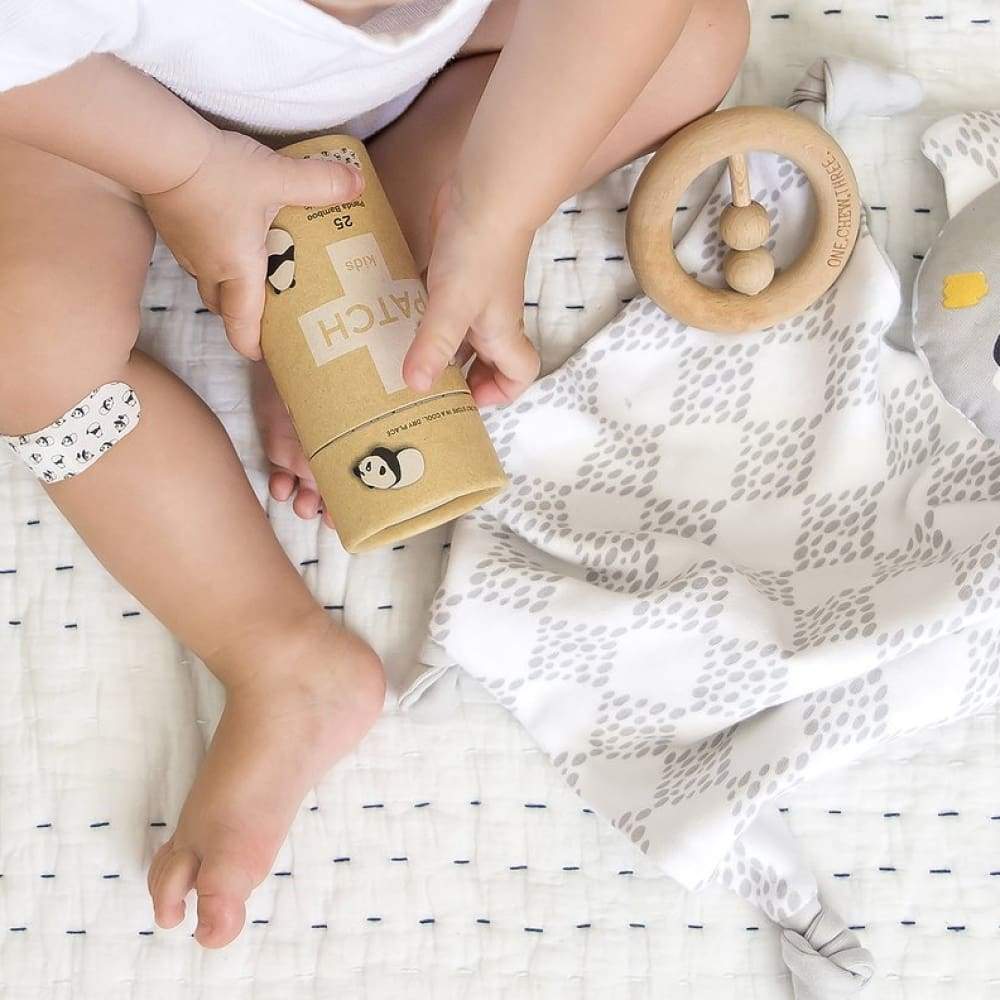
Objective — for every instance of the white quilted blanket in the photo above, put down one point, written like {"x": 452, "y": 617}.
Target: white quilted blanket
{"x": 472, "y": 871}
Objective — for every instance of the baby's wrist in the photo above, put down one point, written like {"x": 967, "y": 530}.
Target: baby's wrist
{"x": 496, "y": 211}
{"x": 197, "y": 144}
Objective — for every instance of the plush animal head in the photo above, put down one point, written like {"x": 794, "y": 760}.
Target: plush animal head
{"x": 956, "y": 315}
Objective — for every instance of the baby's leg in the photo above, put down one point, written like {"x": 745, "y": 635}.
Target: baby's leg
{"x": 417, "y": 153}
{"x": 169, "y": 511}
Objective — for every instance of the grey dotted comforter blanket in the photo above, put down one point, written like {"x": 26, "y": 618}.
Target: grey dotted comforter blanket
{"x": 726, "y": 565}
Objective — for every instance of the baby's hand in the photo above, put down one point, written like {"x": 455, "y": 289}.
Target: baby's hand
{"x": 475, "y": 287}
{"x": 216, "y": 222}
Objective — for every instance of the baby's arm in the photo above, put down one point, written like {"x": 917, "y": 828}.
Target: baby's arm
{"x": 109, "y": 117}
{"x": 211, "y": 194}
{"x": 568, "y": 72}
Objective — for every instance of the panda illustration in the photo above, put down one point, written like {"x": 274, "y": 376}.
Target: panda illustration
{"x": 280, "y": 260}
{"x": 385, "y": 469}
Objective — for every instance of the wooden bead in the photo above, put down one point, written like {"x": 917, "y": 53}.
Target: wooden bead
{"x": 748, "y": 271}
{"x": 745, "y": 227}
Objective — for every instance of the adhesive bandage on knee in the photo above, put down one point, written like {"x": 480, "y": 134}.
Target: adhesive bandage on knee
{"x": 77, "y": 439}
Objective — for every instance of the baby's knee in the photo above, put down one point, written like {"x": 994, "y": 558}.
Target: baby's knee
{"x": 735, "y": 37}
{"x": 65, "y": 398}
{"x": 723, "y": 29}
{"x": 60, "y": 413}
{"x": 57, "y": 342}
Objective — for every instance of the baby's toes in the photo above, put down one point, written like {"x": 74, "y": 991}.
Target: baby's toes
{"x": 171, "y": 877}
{"x": 290, "y": 471}
{"x": 307, "y": 501}
{"x": 223, "y": 889}
{"x": 284, "y": 452}
{"x": 281, "y": 485}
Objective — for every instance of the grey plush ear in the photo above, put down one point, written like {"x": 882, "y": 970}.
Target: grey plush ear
{"x": 357, "y": 471}
{"x": 964, "y": 149}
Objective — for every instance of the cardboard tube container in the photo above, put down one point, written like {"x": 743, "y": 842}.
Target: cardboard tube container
{"x": 343, "y": 303}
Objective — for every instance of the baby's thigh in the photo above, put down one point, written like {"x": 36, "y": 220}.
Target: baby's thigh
{"x": 74, "y": 253}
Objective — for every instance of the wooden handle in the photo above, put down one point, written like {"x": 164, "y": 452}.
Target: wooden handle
{"x": 739, "y": 180}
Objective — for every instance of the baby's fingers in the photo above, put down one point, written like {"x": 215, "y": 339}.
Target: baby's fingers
{"x": 441, "y": 332}
{"x": 316, "y": 182}
{"x": 241, "y": 303}
{"x": 504, "y": 368}
{"x": 209, "y": 292}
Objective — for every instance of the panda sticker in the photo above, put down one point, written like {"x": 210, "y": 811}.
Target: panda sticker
{"x": 280, "y": 260}
{"x": 385, "y": 469}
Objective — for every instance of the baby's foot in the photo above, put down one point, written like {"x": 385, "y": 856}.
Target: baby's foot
{"x": 290, "y": 473}
{"x": 307, "y": 699}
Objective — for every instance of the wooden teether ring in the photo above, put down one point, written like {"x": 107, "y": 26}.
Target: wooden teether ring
{"x": 731, "y": 134}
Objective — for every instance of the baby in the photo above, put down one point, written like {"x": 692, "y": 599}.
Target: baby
{"x": 120, "y": 119}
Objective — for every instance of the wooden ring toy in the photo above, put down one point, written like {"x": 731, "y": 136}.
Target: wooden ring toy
{"x": 756, "y": 297}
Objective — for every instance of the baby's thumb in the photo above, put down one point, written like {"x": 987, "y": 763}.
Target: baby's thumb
{"x": 317, "y": 182}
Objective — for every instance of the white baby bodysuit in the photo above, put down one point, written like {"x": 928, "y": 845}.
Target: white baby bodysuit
{"x": 266, "y": 66}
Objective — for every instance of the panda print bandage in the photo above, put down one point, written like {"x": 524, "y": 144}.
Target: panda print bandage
{"x": 73, "y": 442}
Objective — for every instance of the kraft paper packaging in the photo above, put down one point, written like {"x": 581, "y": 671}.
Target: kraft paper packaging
{"x": 343, "y": 302}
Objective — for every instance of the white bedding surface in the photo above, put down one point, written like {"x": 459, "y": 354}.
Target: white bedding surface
{"x": 103, "y": 717}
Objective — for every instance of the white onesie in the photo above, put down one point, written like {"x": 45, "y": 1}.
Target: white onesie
{"x": 265, "y": 66}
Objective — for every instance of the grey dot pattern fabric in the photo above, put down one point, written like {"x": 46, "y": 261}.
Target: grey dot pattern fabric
{"x": 966, "y": 149}
{"x": 728, "y": 564}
